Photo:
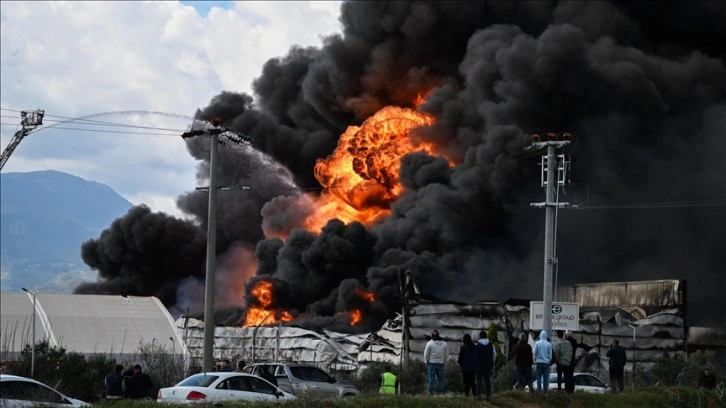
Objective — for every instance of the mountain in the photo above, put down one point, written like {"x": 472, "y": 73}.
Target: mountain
{"x": 45, "y": 216}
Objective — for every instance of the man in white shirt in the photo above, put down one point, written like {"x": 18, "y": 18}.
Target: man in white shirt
{"x": 435, "y": 358}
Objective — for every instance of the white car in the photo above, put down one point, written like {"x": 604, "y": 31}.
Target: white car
{"x": 222, "y": 386}
{"x": 584, "y": 382}
{"x": 16, "y": 391}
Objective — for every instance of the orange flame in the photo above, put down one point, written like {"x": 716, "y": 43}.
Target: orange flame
{"x": 356, "y": 316}
{"x": 367, "y": 296}
{"x": 360, "y": 177}
{"x": 264, "y": 314}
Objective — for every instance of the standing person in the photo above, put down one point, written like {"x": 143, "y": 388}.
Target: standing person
{"x": 114, "y": 383}
{"x": 617, "y": 360}
{"x": 435, "y": 358}
{"x": 708, "y": 381}
{"x": 522, "y": 354}
{"x": 127, "y": 375}
{"x": 467, "y": 363}
{"x": 563, "y": 354}
{"x": 485, "y": 357}
{"x": 387, "y": 383}
{"x": 542, "y": 354}
{"x": 267, "y": 375}
{"x": 226, "y": 366}
{"x": 139, "y": 384}
{"x": 570, "y": 374}
{"x": 241, "y": 366}
{"x": 684, "y": 378}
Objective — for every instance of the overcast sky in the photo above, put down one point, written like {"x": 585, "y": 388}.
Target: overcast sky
{"x": 91, "y": 59}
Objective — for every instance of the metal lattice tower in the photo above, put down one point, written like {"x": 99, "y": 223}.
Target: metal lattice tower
{"x": 29, "y": 121}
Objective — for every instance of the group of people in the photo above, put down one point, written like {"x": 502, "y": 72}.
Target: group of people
{"x": 707, "y": 380}
{"x": 560, "y": 352}
{"x": 475, "y": 359}
{"x": 132, "y": 383}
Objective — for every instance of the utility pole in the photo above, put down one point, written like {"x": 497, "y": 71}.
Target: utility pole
{"x": 209, "y": 283}
{"x": 556, "y": 175}
{"x": 29, "y": 120}
{"x": 32, "y": 355}
{"x": 208, "y": 345}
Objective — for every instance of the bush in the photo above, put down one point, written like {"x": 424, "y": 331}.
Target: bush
{"x": 504, "y": 377}
{"x": 82, "y": 377}
{"x": 664, "y": 371}
{"x": 454, "y": 380}
{"x": 69, "y": 372}
{"x": 411, "y": 378}
{"x": 164, "y": 368}
{"x": 368, "y": 378}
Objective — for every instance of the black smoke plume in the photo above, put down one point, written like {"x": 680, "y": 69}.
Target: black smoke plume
{"x": 642, "y": 86}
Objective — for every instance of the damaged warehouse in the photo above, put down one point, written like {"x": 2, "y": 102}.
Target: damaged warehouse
{"x": 653, "y": 311}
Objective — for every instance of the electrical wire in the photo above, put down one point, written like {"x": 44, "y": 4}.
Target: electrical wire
{"x": 103, "y": 131}
{"x": 83, "y": 120}
{"x": 718, "y": 202}
{"x": 515, "y": 156}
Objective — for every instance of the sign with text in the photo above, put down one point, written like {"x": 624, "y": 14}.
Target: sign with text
{"x": 565, "y": 316}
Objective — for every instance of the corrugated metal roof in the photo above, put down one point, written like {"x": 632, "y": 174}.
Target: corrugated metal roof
{"x": 88, "y": 324}
{"x": 666, "y": 293}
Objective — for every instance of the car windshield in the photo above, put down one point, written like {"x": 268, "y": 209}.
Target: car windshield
{"x": 198, "y": 380}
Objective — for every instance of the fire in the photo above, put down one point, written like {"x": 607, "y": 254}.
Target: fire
{"x": 361, "y": 176}
{"x": 264, "y": 313}
{"x": 367, "y": 296}
{"x": 263, "y": 293}
{"x": 356, "y": 316}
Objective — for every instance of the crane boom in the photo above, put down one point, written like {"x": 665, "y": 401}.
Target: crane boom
{"x": 29, "y": 121}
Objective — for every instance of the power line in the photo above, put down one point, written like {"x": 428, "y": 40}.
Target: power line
{"x": 672, "y": 204}
{"x": 97, "y": 130}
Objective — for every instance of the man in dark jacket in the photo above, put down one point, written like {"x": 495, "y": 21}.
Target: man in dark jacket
{"x": 485, "y": 356}
{"x": 569, "y": 377}
{"x": 523, "y": 361}
{"x": 139, "y": 384}
{"x": 707, "y": 381}
{"x": 267, "y": 375}
{"x": 562, "y": 350}
{"x": 617, "y": 360}
{"x": 114, "y": 383}
{"x": 128, "y": 374}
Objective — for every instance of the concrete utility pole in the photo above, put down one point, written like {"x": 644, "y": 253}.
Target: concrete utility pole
{"x": 556, "y": 172}
{"x": 209, "y": 283}
{"x": 29, "y": 120}
{"x": 32, "y": 355}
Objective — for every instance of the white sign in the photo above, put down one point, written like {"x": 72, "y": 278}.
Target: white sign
{"x": 565, "y": 316}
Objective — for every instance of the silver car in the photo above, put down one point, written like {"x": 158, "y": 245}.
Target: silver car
{"x": 305, "y": 379}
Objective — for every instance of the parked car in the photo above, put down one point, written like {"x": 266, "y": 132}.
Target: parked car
{"x": 584, "y": 382}
{"x": 305, "y": 379}
{"x": 218, "y": 387}
{"x": 16, "y": 391}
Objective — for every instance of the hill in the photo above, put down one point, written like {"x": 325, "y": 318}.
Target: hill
{"x": 45, "y": 216}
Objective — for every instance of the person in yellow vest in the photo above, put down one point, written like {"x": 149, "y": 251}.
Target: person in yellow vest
{"x": 388, "y": 382}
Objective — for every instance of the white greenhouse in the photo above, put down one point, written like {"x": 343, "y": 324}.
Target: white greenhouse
{"x": 116, "y": 326}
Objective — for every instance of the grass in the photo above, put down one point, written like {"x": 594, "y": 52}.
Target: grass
{"x": 659, "y": 397}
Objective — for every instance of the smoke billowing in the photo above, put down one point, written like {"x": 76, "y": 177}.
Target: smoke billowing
{"x": 642, "y": 86}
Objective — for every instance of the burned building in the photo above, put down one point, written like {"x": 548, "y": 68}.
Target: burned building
{"x": 647, "y": 317}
